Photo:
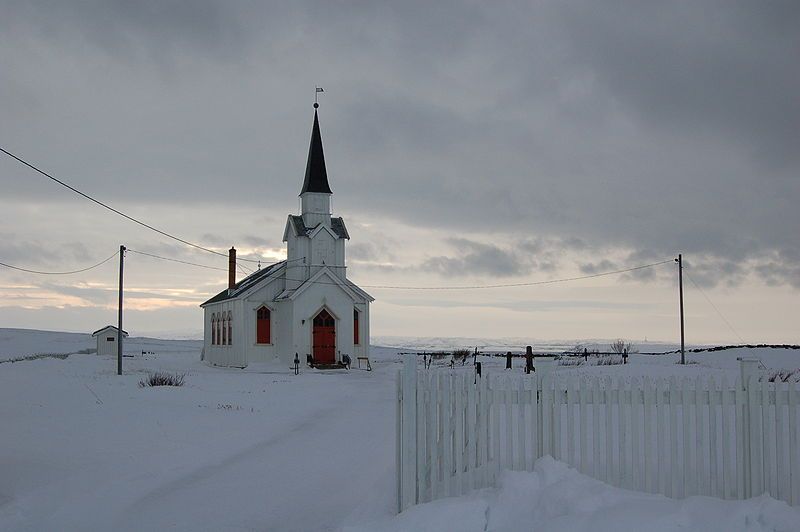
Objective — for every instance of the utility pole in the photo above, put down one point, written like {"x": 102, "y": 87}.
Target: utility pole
{"x": 679, "y": 260}
{"x": 119, "y": 321}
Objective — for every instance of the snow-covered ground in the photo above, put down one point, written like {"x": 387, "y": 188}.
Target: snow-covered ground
{"x": 22, "y": 343}
{"x": 556, "y": 498}
{"x": 262, "y": 449}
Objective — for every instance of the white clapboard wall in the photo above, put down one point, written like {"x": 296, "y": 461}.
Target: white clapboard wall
{"x": 456, "y": 432}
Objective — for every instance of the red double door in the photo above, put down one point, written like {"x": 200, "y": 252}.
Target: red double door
{"x": 324, "y": 334}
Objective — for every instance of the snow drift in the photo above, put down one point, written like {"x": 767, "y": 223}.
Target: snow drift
{"x": 556, "y": 498}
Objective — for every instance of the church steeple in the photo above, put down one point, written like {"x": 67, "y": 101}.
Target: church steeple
{"x": 316, "y": 179}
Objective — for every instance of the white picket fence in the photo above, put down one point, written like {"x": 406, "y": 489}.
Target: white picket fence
{"x": 675, "y": 437}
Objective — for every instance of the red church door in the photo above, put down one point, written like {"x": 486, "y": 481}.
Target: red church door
{"x": 324, "y": 334}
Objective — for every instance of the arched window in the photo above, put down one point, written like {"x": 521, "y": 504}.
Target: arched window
{"x": 263, "y": 332}
{"x": 230, "y": 328}
{"x": 213, "y": 329}
{"x": 355, "y": 327}
{"x": 224, "y": 324}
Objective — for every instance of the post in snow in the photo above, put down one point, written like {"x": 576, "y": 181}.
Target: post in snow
{"x": 119, "y": 320}
{"x": 679, "y": 260}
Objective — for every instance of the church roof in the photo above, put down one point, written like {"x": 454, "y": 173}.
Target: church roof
{"x": 345, "y": 284}
{"x": 337, "y": 226}
{"x": 316, "y": 179}
{"x": 246, "y": 283}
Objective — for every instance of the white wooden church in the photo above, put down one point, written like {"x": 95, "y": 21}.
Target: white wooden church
{"x": 304, "y": 304}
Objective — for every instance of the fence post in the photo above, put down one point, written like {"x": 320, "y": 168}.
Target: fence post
{"x": 399, "y": 441}
{"x": 408, "y": 434}
{"x": 748, "y": 367}
{"x": 543, "y": 368}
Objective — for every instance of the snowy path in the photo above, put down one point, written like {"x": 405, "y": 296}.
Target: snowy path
{"x": 302, "y": 479}
{"x": 229, "y": 451}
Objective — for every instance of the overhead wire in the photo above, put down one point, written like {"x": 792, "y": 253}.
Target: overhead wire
{"x": 60, "y": 273}
{"x": 531, "y": 283}
{"x": 112, "y": 209}
{"x": 471, "y": 287}
{"x": 719, "y": 313}
{"x": 153, "y": 255}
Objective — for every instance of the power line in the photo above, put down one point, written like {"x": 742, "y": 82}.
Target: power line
{"x": 177, "y": 260}
{"x": 59, "y": 273}
{"x": 244, "y": 269}
{"x": 112, "y": 209}
{"x": 715, "y": 308}
{"x": 509, "y": 285}
{"x": 471, "y": 287}
{"x": 240, "y": 266}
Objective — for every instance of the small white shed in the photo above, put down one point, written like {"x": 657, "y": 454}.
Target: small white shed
{"x": 107, "y": 340}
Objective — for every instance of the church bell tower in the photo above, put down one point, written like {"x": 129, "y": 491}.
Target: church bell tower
{"x": 314, "y": 239}
{"x": 315, "y": 196}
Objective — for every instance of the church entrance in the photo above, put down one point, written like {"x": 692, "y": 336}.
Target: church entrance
{"x": 324, "y": 335}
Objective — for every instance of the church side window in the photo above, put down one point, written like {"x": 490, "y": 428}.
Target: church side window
{"x": 213, "y": 329}
{"x": 355, "y": 327}
{"x": 263, "y": 332}
{"x": 224, "y": 329}
{"x": 230, "y": 328}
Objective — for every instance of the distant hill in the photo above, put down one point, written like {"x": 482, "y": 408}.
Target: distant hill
{"x": 22, "y": 343}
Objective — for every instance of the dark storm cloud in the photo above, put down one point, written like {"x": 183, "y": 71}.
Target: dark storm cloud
{"x": 604, "y": 265}
{"x": 370, "y": 251}
{"x": 657, "y": 128}
{"x": 524, "y": 306}
{"x": 476, "y": 259}
{"x": 780, "y": 273}
{"x": 155, "y": 28}
{"x": 716, "y": 66}
{"x": 43, "y": 256}
{"x": 257, "y": 241}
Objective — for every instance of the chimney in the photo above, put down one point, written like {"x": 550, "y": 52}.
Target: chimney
{"x": 231, "y": 268}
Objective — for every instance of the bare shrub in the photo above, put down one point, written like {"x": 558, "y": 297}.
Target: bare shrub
{"x": 162, "y": 379}
{"x": 609, "y": 360}
{"x": 621, "y": 347}
{"x": 461, "y": 354}
{"x": 581, "y": 349}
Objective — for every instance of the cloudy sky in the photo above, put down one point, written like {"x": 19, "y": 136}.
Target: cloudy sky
{"x": 467, "y": 143}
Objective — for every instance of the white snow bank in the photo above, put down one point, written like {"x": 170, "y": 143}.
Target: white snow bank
{"x": 555, "y": 498}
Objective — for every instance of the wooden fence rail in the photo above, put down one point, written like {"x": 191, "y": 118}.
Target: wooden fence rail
{"x": 684, "y": 437}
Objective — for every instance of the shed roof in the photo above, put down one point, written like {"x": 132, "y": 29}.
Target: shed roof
{"x": 98, "y": 331}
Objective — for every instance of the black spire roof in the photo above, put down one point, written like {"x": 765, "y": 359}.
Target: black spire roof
{"x": 316, "y": 175}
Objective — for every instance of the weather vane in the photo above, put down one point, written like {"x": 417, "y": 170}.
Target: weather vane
{"x": 317, "y": 90}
